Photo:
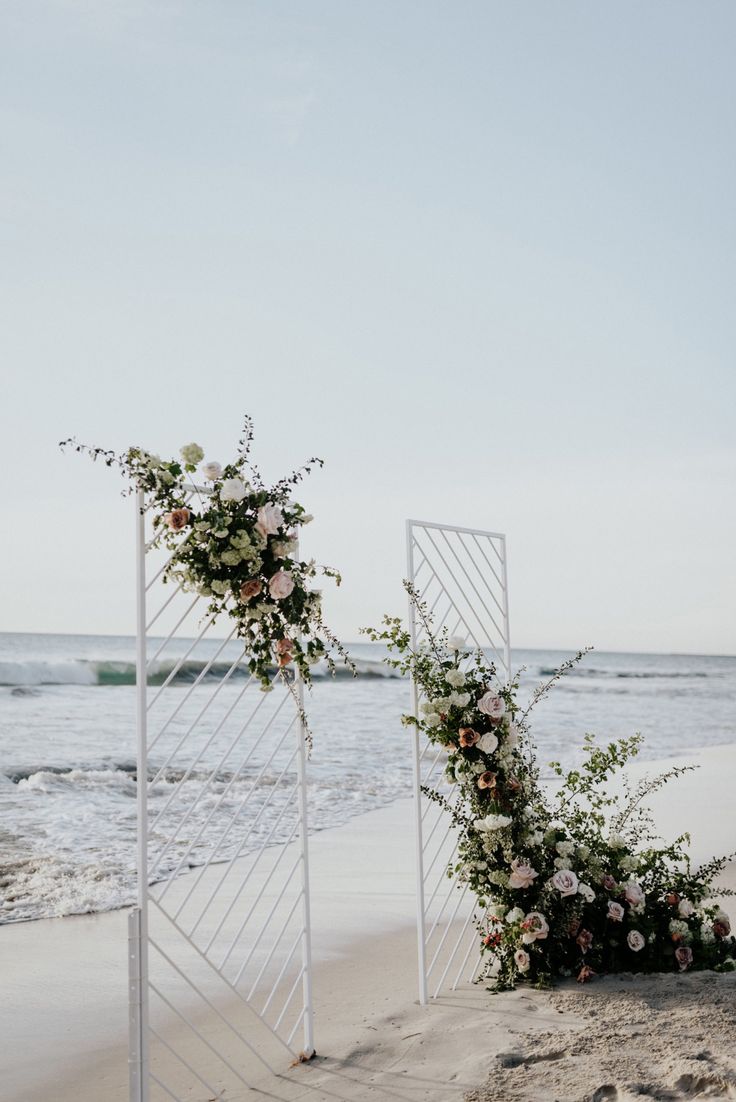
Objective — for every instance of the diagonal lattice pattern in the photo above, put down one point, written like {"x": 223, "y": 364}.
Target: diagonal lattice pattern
{"x": 460, "y": 573}
{"x": 221, "y": 932}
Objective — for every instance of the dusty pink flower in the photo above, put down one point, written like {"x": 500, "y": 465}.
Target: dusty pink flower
{"x": 522, "y": 874}
{"x": 584, "y": 940}
{"x": 177, "y": 519}
{"x": 492, "y": 705}
{"x": 722, "y": 925}
{"x": 565, "y": 881}
{"x": 270, "y": 519}
{"x": 522, "y": 960}
{"x": 609, "y": 882}
{"x": 249, "y": 589}
{"x": 468, "y": 737}
{"x": 615, "y": 912}
{"x": 284, "y": 648}
{"x": 633, "y": 893}
{"x": 585, "y": 974}
{"x": 487, "y": 780}
{"x": 635, "y": 941}
{"x": 684, "y": 957}
{"x": 281, "y": 585}
{"x": 672, "y": 898}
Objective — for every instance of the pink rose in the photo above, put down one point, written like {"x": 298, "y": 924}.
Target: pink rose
{"x": 584, "y": 940}
{"x": 249, "y": 589}
{"x": 633, "y": 893}
{"x": 522, "y": 874}
{"x": 522, "y": 960}
{"x": 492, "y": 705}
{"x": 722, "y": 925}
{"x": 270, "y": 519}
{"x": 608, "y": 882}
{"x": 177, "y": 519}
{"x": 468, "y": 737}
{"x": 615, "y": 912}
{"x": 565, "y": 881}
{"x": 684, "y": 957}
{"x": 635, "y": 941}
{"x": 281, "y": 585}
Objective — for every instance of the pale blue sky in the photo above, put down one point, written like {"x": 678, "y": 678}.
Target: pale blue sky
{"x": 480, "y": 256}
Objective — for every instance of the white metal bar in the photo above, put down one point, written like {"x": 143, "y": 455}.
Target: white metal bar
{"x": 182, "y": 660}
{"x": 417, "y": 779}
{"x": 190, "y": 690}
{"x": 289, "y": 997}
{"x": 453, "y": 528}
{"x": 286, "y": 884}
{"x": 140, "y": 1091}
{"x": 164, "y": 1088}
{"x": 180, "y": 1058}
{"x": 282, "y": 973}
{"x": 277, "y": 940}
{"x": 197, "y": 1033}
{"x": 306, "y": 944}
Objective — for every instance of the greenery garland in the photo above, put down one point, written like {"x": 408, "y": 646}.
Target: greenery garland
{"x": 236, "y": 543}
{"x": 574, "y": 884}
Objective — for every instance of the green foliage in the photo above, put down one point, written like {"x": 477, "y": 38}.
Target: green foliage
{"x": 572, "y": 883}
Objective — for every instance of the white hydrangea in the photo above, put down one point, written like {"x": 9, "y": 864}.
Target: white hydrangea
{"x": 191, "y": 453}
{"x": 629, "y": 863}
{"x": 583, "y": 852}
{"x": 459, "y": 700}
{"x": 679, "y": 928}
{"x": 563, "y": 863}
{"x": 616, "y": 841}
{"x": 492, "y": 822}
{"x": 515, "y": 915}
{"x": 433, "y": 719}
{"x": 456, "y": 678}
{"x": 565, "y": 848}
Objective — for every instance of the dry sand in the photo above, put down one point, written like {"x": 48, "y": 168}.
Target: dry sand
{"x": 63, "y": 1020}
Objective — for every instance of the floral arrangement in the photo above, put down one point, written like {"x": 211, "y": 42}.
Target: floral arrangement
{"x": 236, "y": 543}
{"x": 574, "y": 884}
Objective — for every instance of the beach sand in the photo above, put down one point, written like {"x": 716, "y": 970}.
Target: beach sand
{"x": 63, "y": 1019}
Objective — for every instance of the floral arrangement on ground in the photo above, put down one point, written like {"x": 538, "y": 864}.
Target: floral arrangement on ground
{"x": 236, "y": 542}
{"x": 577, "y": 883}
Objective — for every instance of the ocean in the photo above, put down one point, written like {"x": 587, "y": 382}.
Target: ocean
{"x": 67, "y": 749}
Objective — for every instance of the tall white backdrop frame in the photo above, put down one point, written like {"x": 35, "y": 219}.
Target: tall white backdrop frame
{"x": 461, "y": 575}
{"x": 221, "y": 933}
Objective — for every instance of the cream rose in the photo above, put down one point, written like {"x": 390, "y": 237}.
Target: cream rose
{"x": 685, "y": 908}
{"x": 281, "y": 585}
{"x": 492, "y": 705}
{"x": 615, "y": 912}
{"x": 488, "y": 742}
{"x": 565, "y": 881}
{"x": 270, "y": 519}
{"x": 211, "y": 471}
{"x": 522, "y": 874}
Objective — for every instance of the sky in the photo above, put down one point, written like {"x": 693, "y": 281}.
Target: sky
{"x": 479, "y": 256}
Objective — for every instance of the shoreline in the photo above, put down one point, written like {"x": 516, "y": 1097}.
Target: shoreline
{"x": 65, "y": 1025}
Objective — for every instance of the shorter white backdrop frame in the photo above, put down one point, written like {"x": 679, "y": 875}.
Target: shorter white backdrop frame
{"x": 221, "y": 934}
{"x": 461, "y": 575}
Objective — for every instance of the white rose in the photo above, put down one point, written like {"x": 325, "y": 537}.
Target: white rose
{"x": 565, "y": 881}
{"x": 270, "y": 519}
{"x": 232, "y": 489}
{"x": 513, "y": 736}
{"x": 587, "y": 892}
{"x": 635, "y": 941}
{"x": 456, "y": 642}
{"x": 522, "y": 960}
{"x": 615, "y": 912}
{"x": 433, "y": 719}
{"x": 522, "y": 874}
{"x": 459, "y": 700}
{"x": 191, "y": 453}
{"x": 685, "y": 908}
{"x": 211, "y": 471}
{"x": 492, "y": 705}
{"x": 487, "y": 742}
{"x": 456, "y": 678}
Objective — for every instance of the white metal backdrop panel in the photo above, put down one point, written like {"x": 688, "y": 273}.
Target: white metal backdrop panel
{"x": 460, "y": 573}
{"x": 219, "y": 954}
